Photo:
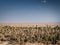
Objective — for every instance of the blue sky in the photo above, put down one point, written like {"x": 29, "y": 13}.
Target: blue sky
{"x": 26, "y": 11}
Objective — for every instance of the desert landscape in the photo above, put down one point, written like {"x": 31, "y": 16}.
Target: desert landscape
{"x": 29, "y": 22}
{"x": 29, "y": 34}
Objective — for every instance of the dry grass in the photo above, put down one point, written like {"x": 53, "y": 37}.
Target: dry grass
{"x": 30, "y": 34}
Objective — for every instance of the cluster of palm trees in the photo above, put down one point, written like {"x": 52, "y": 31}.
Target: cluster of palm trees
{"x": 47, "y": 35}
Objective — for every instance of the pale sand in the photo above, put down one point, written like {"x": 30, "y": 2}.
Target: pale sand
{"x": 30, "y": 24}
{"x": 7, "y": 43}
{"x": 4, "y": 43}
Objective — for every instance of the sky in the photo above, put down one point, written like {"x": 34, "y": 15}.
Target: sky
{"x": 29, "y": 11}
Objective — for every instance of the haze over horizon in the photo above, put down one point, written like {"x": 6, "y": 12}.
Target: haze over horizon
{"x": 29, "y": 11}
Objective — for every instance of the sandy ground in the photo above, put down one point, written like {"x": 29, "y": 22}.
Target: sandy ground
{"x": 30, "y": 24}
{"x": 7, "y": 43}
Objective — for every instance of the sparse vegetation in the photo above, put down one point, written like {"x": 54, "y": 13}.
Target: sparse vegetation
{"x": 22, "y": 35}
